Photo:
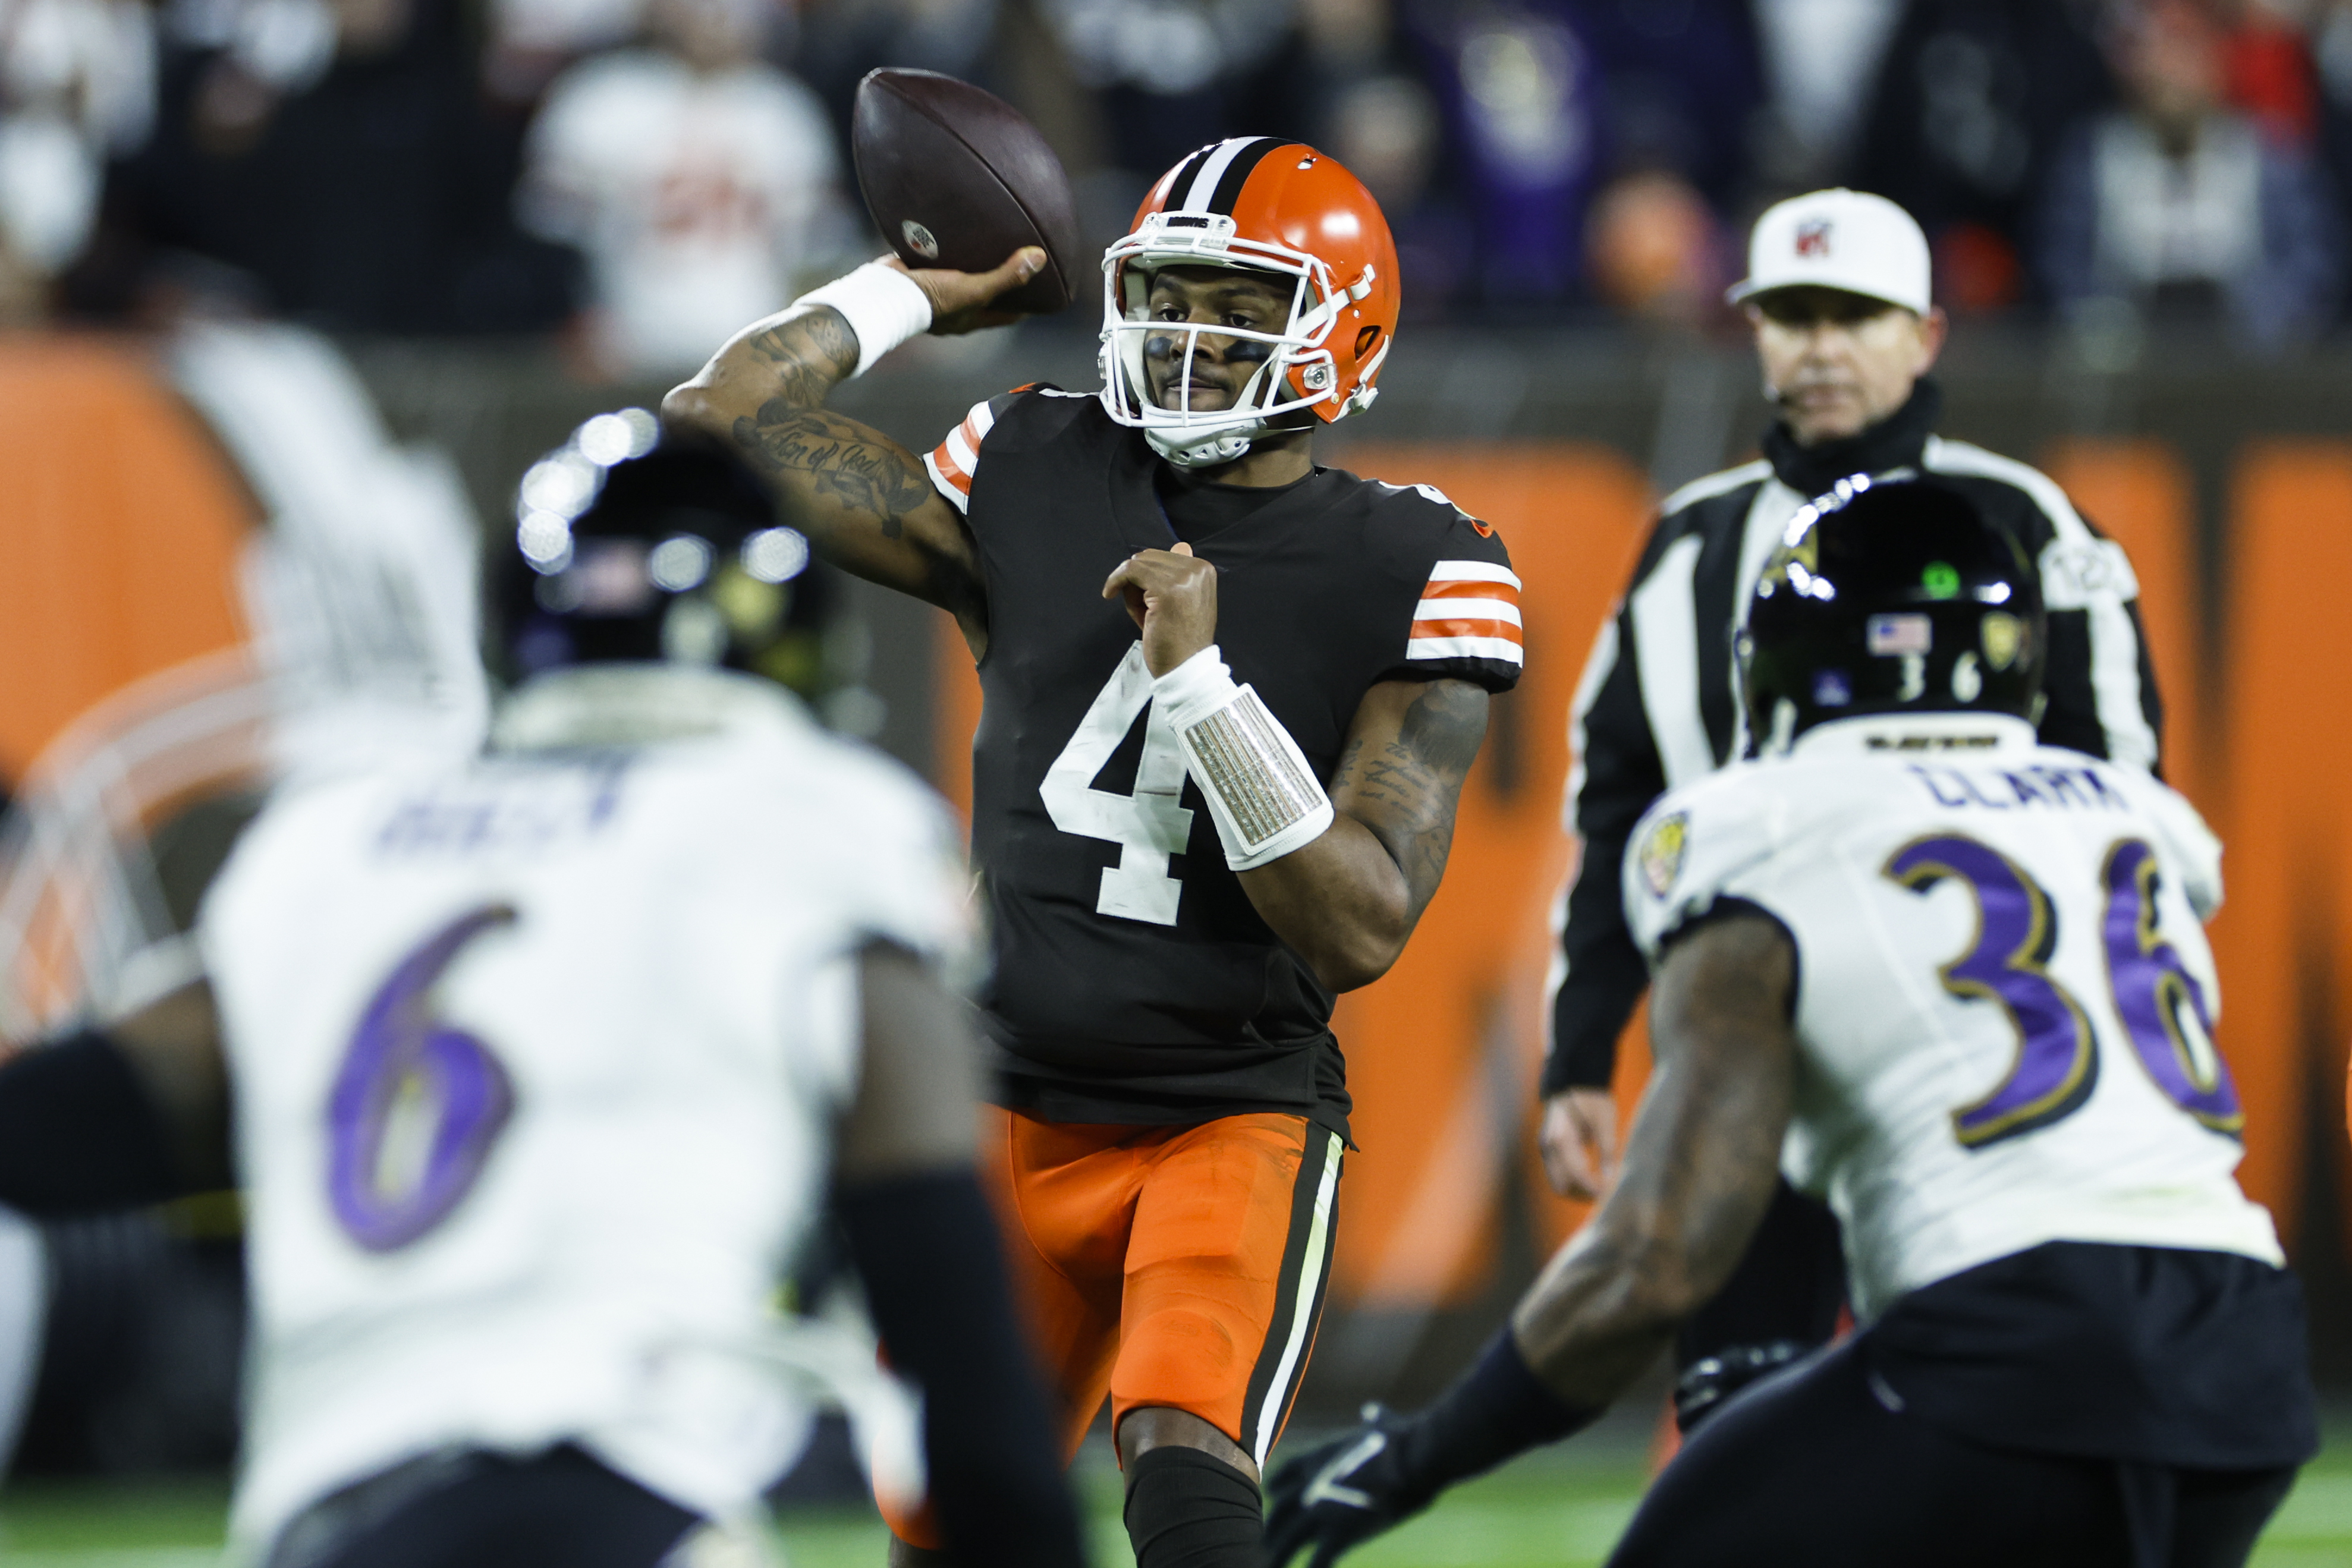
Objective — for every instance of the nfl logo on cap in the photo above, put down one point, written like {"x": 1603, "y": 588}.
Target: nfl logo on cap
{"x": 1841, "y": 239}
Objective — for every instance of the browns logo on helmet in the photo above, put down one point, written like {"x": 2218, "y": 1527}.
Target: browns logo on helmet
{"x": 1261, "y": 204}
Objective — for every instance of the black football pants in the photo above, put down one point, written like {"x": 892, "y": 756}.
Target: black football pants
{"x": 1781, "y": 1302}
{"x": 1812, "y": 1467}
{"x": 559, "y": 1509}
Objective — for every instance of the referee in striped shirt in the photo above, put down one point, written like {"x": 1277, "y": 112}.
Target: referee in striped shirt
{"x": 1838, "y": 293}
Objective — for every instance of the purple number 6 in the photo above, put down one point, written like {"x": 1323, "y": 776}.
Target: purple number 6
{"x": 2156, "y": 996}
{"x": 416, "y": 1104}
{"x": 2057, "y": 1064}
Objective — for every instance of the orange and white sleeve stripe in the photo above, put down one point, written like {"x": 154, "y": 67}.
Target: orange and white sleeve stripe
{"x": 952, "y": 461}
{"x": 1469, "y": 611}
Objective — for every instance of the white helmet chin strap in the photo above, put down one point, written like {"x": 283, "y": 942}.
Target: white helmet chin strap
{"x": 1206, "y": 450}
{"x": 1209, "y": 448}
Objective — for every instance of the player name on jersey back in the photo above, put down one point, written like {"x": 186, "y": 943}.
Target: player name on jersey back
{"x": 2005, "y": 998}
{"x": 2050, "y": 786}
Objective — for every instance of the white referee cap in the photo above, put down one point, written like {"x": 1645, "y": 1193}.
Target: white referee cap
{"x": 1839, "y": 239}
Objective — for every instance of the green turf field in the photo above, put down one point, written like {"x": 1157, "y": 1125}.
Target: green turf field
{"x": 1557, "y": 1510}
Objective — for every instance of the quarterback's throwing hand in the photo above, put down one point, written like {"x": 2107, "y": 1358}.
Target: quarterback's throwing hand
{"x": 961, "y": 301}
{"x": 1172, "y": 595}
{"x": 1343, "y": 1493}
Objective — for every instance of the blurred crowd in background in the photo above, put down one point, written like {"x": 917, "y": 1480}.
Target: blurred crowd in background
{"x": 641, "y": 176}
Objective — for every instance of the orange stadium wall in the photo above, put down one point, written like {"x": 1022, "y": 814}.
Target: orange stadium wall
{"x": 2259, "y": 735}
{"x": 120, "y": 527}
{"x": 2284, "y": 807}
{"x": 1442, "y": 1053}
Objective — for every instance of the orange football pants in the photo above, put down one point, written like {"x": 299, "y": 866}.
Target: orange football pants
{"x": 1164, "y": 1266}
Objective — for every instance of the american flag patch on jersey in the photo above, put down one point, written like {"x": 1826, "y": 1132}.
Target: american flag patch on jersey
{"x": 1469, "y": 611}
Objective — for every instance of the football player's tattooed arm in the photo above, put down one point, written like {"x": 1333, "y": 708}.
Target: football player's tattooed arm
{"x": 863, "y": 500}
{"x": 1348, "y": 901}
{"x": 1700, "y": 1166}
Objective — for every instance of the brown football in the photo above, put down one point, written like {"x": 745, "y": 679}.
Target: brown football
{"x": 955, "y": 177}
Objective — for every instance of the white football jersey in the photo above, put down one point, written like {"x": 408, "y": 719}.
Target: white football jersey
{"x": 536, "y": 1062}
{"x": 2004, "y": 997}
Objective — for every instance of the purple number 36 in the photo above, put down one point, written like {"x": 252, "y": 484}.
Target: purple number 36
{"x": 2159, "y": 1002}
{"x": 416, "y": 1104}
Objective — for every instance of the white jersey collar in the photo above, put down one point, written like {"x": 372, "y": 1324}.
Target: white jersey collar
{"x": 637, "y": 704}
{"x": 1926, "y": 734}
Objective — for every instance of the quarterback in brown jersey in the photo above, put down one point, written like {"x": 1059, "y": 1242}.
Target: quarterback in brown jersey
{"x": 1230, "y": 697}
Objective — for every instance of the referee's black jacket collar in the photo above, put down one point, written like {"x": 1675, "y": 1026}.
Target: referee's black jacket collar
{"x": 1895, "y": 441}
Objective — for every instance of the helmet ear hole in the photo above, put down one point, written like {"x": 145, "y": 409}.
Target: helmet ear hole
{"x": 1365, "y": 339}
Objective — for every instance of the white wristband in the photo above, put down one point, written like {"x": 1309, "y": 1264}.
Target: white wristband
{"x": 1262, "y": 795}
{"x": 882, "y": 305}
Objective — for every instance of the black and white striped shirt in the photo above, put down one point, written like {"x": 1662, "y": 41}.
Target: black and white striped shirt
{"x": 1659, "y": 704}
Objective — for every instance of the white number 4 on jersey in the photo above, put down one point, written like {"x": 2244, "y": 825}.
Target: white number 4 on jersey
{"x": 1149, "y": 825}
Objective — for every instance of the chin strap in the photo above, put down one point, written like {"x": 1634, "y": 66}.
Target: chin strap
{"x": 1205, "y": 450}
{"x": 1208, "y": 448}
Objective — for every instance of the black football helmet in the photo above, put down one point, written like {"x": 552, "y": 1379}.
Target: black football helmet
{"x": 1893, "y": 594}
{"x": 631, "y": 547}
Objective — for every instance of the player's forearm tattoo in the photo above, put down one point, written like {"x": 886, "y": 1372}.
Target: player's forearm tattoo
{"x": 794, "y": 433}
{"x": 852, "y": 490}
{"x": 808, "y": 355}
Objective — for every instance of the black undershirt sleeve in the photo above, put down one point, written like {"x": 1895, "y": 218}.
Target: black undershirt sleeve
{"x": 1606, "y": 974}
{"x": 927, "y": 1247}
{"x": 78, "y": 1133}
{"x": 2070, "y": 716}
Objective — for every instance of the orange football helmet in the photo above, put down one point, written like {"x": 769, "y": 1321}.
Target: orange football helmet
{"x": 1263, "y": 204}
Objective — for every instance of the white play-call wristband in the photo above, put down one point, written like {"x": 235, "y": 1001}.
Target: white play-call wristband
{"x": 882, "y": 305}
{"x": 1262, "y": 795}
